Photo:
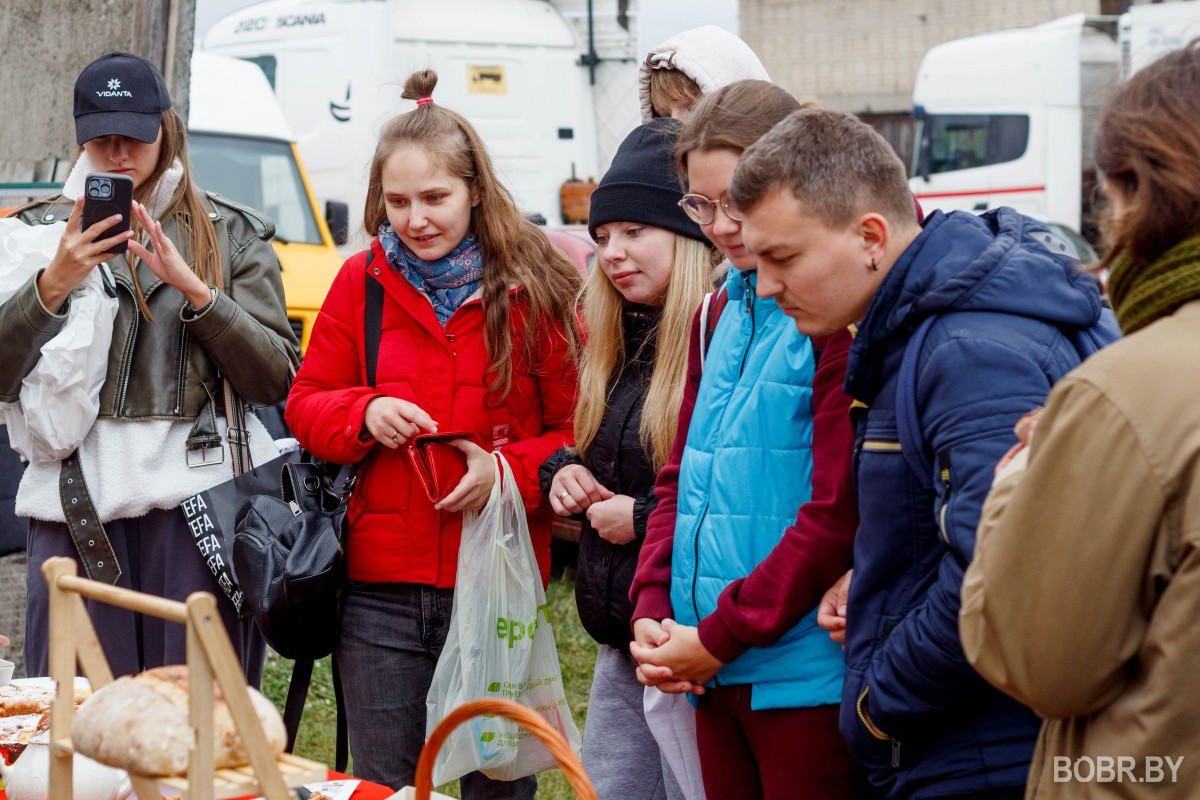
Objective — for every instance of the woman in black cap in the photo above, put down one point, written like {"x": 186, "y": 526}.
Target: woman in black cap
{"x": 653, "y": 269}
{"x": 179, "y": 332}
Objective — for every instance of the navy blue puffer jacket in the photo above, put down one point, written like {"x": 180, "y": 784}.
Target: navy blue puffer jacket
{"x": 914, "y": 711}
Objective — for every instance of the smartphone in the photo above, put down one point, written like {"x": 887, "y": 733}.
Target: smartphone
{"x": 104, "y": 195}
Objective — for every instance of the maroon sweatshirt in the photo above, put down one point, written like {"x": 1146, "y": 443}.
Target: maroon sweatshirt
{"x": 755, "y": 611}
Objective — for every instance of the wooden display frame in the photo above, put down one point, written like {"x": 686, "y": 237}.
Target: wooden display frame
{"x": 210, "y": 656}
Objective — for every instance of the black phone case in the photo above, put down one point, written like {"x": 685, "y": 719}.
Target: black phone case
{"x": 105, "y": 194}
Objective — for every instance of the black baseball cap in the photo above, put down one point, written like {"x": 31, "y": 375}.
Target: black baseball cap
{"x": 642, "y": 184}
{"x": 121, "y": 94}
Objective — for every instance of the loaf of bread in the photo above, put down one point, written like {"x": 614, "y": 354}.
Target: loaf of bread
{"x": 140, "y": 724}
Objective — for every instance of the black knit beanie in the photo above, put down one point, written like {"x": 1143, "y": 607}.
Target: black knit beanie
{"x": 642, "y": 184}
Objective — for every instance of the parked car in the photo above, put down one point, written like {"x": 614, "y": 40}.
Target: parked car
{"x": 576, "y": 243}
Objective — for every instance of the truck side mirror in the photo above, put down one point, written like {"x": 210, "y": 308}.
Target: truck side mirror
{"x": 337, "y": 217}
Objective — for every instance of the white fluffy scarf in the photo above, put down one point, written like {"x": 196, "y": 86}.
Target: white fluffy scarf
{"x": 159, "y": 198}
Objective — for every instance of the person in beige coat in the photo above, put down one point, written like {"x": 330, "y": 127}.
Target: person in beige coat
{"x": 1083, "y": 597}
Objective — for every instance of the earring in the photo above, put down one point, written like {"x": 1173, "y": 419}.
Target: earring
{"x": 874, "y": 265}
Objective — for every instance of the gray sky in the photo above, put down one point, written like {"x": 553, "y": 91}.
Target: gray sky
{"x": 209, "y": 11}
{"x": 659, "y": 20}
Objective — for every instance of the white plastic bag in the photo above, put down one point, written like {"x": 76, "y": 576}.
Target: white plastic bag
{"x": 672, "y": 721}
{"x": 500, "y": 644}
{"x": 24, "y": 249}
{"x": 60, "y": 398}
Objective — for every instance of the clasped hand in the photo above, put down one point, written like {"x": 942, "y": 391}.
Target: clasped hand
{"x": 672, "y": 657}
{"x": 575, "y": 490}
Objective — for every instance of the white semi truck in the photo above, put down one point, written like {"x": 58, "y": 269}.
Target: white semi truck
{"x": 1008, "y": 118}
{"x": 338, "y": 67}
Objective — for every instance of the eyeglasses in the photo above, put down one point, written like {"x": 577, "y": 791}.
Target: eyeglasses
{"x": 703, "y": 211}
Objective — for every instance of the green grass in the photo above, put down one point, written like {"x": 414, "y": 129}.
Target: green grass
{"x": 576, "y": 654}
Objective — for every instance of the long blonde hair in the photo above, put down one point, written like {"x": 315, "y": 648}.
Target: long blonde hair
{"x": 515, "y": 251}
{"x": 604, "y": 354}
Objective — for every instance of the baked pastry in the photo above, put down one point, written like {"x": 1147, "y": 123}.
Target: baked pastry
{"x": 17, "y": 701}
{"x": 15, "y": 733}
{"x": 140, "y": 724}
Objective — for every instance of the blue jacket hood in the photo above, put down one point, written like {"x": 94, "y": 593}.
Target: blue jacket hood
{"x": 991, "y": 262}
{"x": 963, "y": 262}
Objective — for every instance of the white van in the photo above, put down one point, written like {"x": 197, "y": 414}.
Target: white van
{"x": 509, "y": 66}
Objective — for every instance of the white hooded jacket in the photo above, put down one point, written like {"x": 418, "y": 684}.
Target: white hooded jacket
{"x": 711, "y": 56}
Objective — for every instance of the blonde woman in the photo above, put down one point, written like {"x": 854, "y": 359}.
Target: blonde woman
{"x": 652, "y": 271}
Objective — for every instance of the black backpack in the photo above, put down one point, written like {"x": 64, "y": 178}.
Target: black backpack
{"x": 289, "y": 558}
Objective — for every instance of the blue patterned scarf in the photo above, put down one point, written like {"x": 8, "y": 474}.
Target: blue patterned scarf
{"x": 448, "y": 281}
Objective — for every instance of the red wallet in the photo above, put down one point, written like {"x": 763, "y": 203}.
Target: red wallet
{"x": 439, "y": 465}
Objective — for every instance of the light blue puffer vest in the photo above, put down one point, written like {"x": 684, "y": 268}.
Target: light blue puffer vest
{"x": 746, "y": 469}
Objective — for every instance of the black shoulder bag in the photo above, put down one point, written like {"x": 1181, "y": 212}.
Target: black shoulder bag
{"x": 288, "y": 555}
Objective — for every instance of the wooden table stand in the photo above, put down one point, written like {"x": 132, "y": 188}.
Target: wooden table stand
{"x": 209, "y": 655}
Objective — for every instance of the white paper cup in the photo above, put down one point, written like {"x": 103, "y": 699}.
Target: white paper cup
{"x": 6, "y": 671}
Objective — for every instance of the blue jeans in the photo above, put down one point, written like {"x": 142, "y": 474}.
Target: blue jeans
{"x": 391, "y": 637}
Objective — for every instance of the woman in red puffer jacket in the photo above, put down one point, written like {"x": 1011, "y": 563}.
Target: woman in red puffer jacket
{"x": 478, "y": 335}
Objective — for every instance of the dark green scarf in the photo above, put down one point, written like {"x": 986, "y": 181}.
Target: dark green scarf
{"x": 1142, "y": 295}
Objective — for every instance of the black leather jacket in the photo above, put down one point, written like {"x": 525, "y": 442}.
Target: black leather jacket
{"x": 619, "y": 462}
{"x": 171, "y": 366}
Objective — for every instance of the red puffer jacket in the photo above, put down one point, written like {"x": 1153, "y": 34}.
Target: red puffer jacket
{"x": 395, "y": 534}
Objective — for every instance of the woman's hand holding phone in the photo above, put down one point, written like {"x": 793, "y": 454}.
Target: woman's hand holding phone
{"x": 79, "y": 252}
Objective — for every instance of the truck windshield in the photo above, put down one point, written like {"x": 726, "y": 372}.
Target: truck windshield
{"x": 948, "y": 142}
{"x": 260, "y": 173}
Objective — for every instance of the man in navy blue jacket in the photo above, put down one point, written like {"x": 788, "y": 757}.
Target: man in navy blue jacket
{"x": 829, "y": 216}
